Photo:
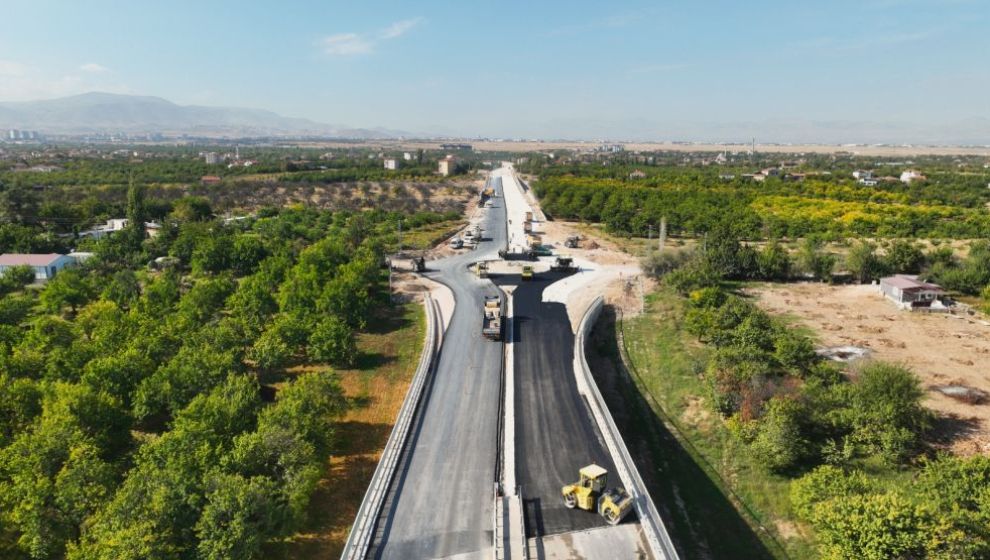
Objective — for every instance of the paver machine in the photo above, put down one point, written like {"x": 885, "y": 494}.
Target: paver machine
{"x": 590, "y": 494}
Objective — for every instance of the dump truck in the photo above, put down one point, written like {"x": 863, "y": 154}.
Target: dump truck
{"x": 572, "y": 241}
{"x": 482, "y": 269}
{"x": 527, "y": 272}
{"x": 528, "y": 226}
{"x": 491, "y": 321}
{"x": 590, "y": 494}
{"x": 529, "y": 216}
{"x": 563, "y": 264}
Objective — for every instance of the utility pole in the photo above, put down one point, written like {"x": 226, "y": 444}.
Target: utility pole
{"x": 649, "y": 238}
{"x": 662, "y": 236}
{"x": 400, "y": 235}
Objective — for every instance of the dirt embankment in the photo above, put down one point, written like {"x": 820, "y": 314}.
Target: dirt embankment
{"x": 944, "y": 350}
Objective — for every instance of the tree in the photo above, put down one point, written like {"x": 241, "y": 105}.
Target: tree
{"x": 70, "y": 288}
{"x": 20, "y": 276}
{"x": 332, "y": 341}
{"x": 780, "y": 444}
{"x": 863, "y": 262}
{"x": 904, "y": 257}
{"x": 812, "y": 260}
{"x": 888, "y": 414}
{"x": 192, "y": 209}
{"x": 136, "y": 217}
{"x": 240, "y": 515}
{"x": 773, "y": 262}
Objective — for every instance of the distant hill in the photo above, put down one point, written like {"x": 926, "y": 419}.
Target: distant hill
{"x": 109, "y": 112}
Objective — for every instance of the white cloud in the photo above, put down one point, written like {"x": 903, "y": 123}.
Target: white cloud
{"x": 400, "y": 28}
{"x": 349, "y": 44}
{"x": 94, "y": 68}
{"x": 343, "y": 44}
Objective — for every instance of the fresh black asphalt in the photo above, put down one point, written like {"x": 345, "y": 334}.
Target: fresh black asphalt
{"x": 555, "y": 432}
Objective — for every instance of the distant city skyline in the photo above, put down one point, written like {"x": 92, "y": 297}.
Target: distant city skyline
{"x": 715, "y": 70}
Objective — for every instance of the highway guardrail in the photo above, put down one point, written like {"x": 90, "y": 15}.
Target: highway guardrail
{"x": 649, "y": 518}
{"x": 362, "y": 533}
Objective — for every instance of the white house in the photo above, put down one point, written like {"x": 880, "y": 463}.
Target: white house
{"x": 407, "y": 156}
{"x": 391, "y": 164}
{"x": 45, "y": 266}
{"x": 908, "y": 292}
{"x": 113, "y": 225}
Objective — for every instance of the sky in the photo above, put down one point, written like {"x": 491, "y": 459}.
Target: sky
{"x": 547, "y": 69}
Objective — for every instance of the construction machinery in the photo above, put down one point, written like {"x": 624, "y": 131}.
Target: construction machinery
{"x": 482, "y": 269}
{"x": 572, "y": 241}
{"x": 419, "y": 263}
{"x": 590, "y": 494}
{"x": 563, "y": 264}
{"x": 491, "y": 321}
{"x": 527, "y": 272}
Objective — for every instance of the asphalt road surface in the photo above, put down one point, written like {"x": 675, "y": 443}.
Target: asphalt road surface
{"x": 555, "y": 432}
{"x": 440, "y": 504}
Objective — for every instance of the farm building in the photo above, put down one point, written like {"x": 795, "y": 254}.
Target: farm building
{"x": 45, "y": 266}
{"x": 909, "y": 292}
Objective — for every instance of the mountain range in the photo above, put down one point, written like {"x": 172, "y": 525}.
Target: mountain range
{"x": 99, "y": 112}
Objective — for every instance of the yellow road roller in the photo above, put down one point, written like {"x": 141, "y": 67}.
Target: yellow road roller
{"x": 590, "y": 494}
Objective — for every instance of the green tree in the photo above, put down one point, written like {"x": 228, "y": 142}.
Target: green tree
{"x": 332, "y": 341}
{"x": 69, "y": 288}
{"x": 20, "y": 276}
{"x": 904, "y": 257}
{"x": 864, "y": 263}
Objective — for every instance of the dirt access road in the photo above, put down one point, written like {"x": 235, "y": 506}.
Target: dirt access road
{"x": 942, "y": 349}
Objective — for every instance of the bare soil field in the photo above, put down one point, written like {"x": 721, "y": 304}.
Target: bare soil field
{"x": 535, "y": 146}
{"x": 943, "y": 350}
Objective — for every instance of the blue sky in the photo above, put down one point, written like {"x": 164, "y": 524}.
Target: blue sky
{"x": 516, "y": 68}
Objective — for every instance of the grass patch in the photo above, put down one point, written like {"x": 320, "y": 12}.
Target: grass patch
{"x": 390, "y": 351}
{"x": 427, "y": 236}
{"x": 723, "y": 505}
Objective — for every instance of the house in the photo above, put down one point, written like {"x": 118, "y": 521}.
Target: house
{"x": 80, "y": 257}
{"x": 911, "y": 175}
{"x": 210, "y": 180}
{"x": 391, "y": 164}
{"x": 446, "y": 166}
{"x": 861, "y": 174}
{"x": 152, "y": 229}
{"x": 407, "y": 156}
{"x": 113, "y": 225}
{"x": 45, "y": 266}
{"x": 908, "y": 292}
{"x": 637, "y": 174}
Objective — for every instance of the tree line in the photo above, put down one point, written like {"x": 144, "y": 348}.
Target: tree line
{"x": 138, "y": 413}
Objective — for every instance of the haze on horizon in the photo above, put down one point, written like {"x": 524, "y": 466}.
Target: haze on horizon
{"x": 911, "y": 69}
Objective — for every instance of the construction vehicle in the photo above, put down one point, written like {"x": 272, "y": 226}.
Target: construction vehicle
{"x": 572, "y": 241}
{"x": 491, "y": 321}
{"x": 529, "y": 216}
{"x": 590, "y": 494}
{"x": 527, "y": 272}
{"x": 419, "y": 263}
{"x": 563, "y": 264}
{"x": 528, "y": 226}
{"x": 482, "y": 269}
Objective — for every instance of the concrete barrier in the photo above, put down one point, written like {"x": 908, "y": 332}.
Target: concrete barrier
{"x": 362, "y": 532}
{"x": 649, "y": 518}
